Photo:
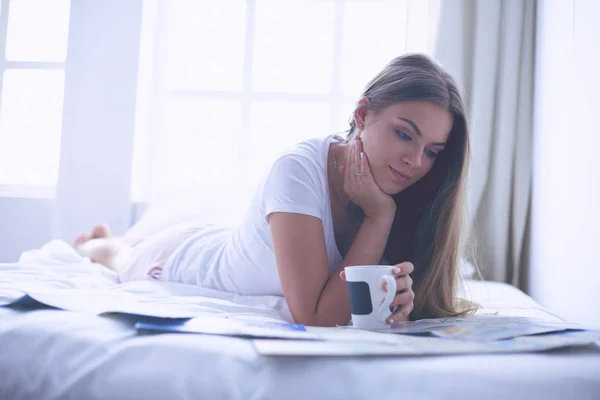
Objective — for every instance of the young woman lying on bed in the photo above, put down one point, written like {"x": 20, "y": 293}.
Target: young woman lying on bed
{"x": 390, "y": 192}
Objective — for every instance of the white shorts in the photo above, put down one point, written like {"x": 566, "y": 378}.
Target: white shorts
{"x": 145, "y": 261}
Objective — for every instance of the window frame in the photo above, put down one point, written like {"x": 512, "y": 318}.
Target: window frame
{"x": 335, "y": 98}
{"x": 21, "y": 190}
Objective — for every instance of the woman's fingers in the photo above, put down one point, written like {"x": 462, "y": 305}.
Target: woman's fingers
{"x": 403, "y": 298}
{"x": 402, "y": 273}
{"x": 365, "y": 168}
{"x": 404, "y": 268}
{"x": 356, "y": 157}
{"x": 403, "y": 304}
{"x": 350, "y": 163}
{"x": 402, "y": 314}
{"x": 402, "y": 283}
{"x": 346, "y": 170}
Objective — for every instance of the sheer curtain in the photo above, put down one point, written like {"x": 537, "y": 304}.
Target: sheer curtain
{"x": 225, "y": 86}
{"x": 489, "y": 47}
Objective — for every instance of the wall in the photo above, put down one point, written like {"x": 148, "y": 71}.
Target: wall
{"x": 565, "y": 247}
{"x": 97, "y": 137}
{"x": 99, "y": 116}
{"x": 26, "y": 223}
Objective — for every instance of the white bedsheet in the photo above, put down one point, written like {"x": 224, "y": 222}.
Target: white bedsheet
{"x": 91, "y": 288}
{"x": 54, "y": 354}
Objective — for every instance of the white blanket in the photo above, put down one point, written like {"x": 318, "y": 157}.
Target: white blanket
{"x": 58, "y": 276}
{"x": 54, "y": 354}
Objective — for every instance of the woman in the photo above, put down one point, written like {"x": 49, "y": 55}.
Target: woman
{"x": 391, "y": 192}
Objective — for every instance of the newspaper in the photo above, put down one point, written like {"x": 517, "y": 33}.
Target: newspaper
{"x": 486, "y": 328}
{"x": 469, "y": 335}
{"x": 444, "y": 336}
{"x": 242, "y": 327}
{"x": 56, "y": 277}
{"x": 406, "y": 345}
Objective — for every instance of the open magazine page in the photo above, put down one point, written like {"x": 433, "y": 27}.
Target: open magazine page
{"x": 415, "y": 346}
{"x": 485, "y": 328}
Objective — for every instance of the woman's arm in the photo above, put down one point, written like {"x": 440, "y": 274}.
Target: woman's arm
{"x": 299, "y": 244}
{"x": 313, "y": 297}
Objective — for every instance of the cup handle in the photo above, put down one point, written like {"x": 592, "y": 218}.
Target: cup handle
{"x": 384, "y": 310}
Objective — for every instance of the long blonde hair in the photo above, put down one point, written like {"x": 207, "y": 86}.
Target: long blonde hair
{"x": 428, "y": 226}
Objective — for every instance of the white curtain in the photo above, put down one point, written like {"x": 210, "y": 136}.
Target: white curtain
{"x": 489, "y": 47}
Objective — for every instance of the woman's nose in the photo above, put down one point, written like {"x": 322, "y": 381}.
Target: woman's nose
{"x": 413, "y": 159}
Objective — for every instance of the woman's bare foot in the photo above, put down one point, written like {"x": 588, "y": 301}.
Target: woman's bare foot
{"x": 98, "y": 245}
{"x": 80, "y": 239}
{"x": 100, "y": 230}
{"x": 102, "y": 247}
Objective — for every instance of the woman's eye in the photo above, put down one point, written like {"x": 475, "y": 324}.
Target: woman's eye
{"x": 430, "y": 153}
{"x": 404, "y": 135}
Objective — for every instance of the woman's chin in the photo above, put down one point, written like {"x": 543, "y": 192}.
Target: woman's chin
{"x": 391, "y": 189}
{"x": 395, "y": 192}
{"x": 395, "y": 188}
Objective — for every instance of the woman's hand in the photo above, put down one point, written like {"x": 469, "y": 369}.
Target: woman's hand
{"x": 360, "y": 186}
{"x": 403, "y": 302}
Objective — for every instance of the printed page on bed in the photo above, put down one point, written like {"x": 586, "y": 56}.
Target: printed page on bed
{"x": 415, "y": 345}
{"x": 486, "y": 328}
{"x": 156, "y": 299}
{"x": 250, "y": 326}
{"x": 57, "y": 276}
{"x": 257, "y": 326}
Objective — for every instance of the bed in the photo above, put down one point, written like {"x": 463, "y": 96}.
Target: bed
{"x": 49, "y": 353}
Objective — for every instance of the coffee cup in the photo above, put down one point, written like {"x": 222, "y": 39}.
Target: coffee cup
{"x": 369, "y": 303}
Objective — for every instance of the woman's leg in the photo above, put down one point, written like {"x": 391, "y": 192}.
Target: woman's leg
{"x": 101, "y": 247}
{"x": 134, "y": 258}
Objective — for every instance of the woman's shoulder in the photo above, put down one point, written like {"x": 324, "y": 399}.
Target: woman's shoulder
{"x": 304, "y": 162}
{"x": 297, "y": 180}
{"x": 312, "y": 151}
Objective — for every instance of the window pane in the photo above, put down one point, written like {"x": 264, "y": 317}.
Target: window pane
{"x": 199, "y": 142}
{"x": 38, "y": 30}
{"x": 30, "y": 126}
{"x": 343, "y": 124}
{"x": 206, "y": 44}
{"x": 144, "y": 126}
{"x": 293, "y": 46}
{"x": 421, "y": 25}
{"x": 375, "y": 30}
{"x": 278, "y": 125}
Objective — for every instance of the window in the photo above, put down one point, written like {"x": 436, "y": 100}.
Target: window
{"x": 225, "y": 86}
{"x": 33, "y": 47}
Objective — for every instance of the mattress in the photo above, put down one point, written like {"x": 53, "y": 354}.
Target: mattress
{"x": 48, "y": 353}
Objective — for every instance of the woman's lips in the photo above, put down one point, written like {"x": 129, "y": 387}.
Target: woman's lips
{"x": 400, "y": 176}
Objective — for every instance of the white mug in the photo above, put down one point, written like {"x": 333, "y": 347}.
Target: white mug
{"x": 369, "y": 303}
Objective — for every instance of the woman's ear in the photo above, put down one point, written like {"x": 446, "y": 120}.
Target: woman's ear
{"x": 360, "y": 113}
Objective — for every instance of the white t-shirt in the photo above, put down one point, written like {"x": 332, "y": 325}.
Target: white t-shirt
{"x": 241, "y": 259}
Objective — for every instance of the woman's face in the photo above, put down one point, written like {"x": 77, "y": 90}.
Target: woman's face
{"x": 402, "y": 141}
